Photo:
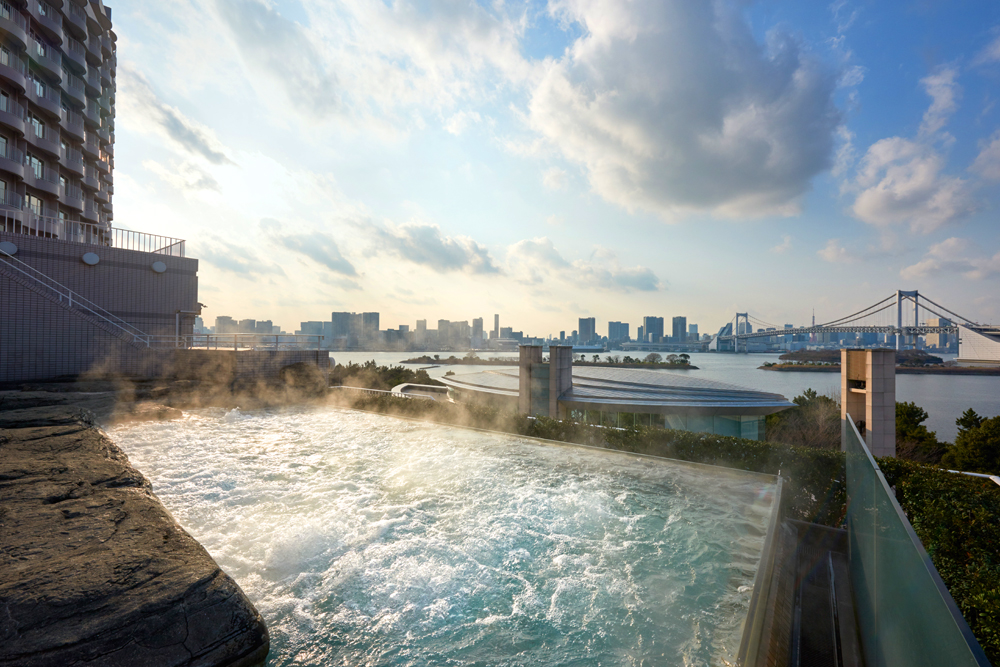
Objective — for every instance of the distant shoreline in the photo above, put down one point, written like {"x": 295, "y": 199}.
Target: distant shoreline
{"x": 900, "y": 370}
{"x": 463, "y": 361}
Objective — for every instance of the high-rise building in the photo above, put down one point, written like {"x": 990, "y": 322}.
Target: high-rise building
{"x": 617, "y": 331}
{"x": 652, "y": 328}
{"x": 369, "y": 326}
{"x": 248, "y": 326}
{"x": 341, "y": 325}
{"x": 588, "y": 330}
{"x": 477, "y": 329}
{"x": 60, "y": 154}
{"x": 693, "y": 333}
{"x": 264, "y": 327}
{"x": 640, "y": 334}
{"x": 938, "y": 340}
{"x": 496, "y": 325}
{"x": 679, "y": 329}
{"x": 225, "y": 325}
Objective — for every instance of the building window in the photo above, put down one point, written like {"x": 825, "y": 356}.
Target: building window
{"x": 4, "y": 10}
{"x": 38, "y": 125}
{"x": 36, "y": 165}
{"x": 40, "y": 47}
{"x": 62, "y": 182}
{"x": 4, "y": 54}
{"x": 3, "y": 192}
{"x": 39, "y": 86}
{"x": 35, "y": 204}
{"x": 3, "y": 146}
{"x": 4, "y": 102}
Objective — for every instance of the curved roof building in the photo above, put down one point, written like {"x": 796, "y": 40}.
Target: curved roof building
{"x": 619, "y": 396}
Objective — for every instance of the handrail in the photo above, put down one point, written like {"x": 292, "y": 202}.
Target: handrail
{"x": 382, "y": 392}
{"x": 9, "y": 13}
{"x": 248, "y": 341}
{"x": 90, "y": 233}
{"x": 72, "y": 298}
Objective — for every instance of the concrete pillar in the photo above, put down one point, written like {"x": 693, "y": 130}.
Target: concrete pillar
{"x": 868, "y": 395}
{"x": 560, "y": 376}
{"x": 530, "y": 355}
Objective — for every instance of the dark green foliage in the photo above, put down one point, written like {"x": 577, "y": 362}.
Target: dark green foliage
{"x": 977, "y": 447}
{"x": 968, "y": 421}
{"x": 814, "y": 422}
{"x": 956, "y": 518}
{"x": 913, "y": 440}
{"x": 372, "y": 376}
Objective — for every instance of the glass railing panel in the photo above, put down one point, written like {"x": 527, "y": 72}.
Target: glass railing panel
{"x": 906, "y": 617}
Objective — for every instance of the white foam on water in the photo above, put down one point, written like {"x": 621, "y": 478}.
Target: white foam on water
{"x": 369, "y": 540}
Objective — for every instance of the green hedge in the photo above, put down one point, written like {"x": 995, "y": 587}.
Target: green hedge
{"x": 957, "y": 518}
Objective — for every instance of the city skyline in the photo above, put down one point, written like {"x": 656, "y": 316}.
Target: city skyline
{"x": 770, "y": 157}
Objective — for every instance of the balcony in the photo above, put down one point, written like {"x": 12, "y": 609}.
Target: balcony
{"x": 14, "y": 24}
{"x": 49, "y": 100}
{"x": 48, "y": 19}
{"x": 72, "y": 125}
{"x": 72, "y": 160}
{"x": 102, "y": 197}
{"x": 92, "y": 114}
{"x": 76, "y": 53}
{"x": 45, "y": 138}
{"x": 93, "y": 81}
{"x": 91, "y": 148}
{"x": 76, "y": 20}
{"x": 72, "y": 196}
{"x": 43, "y": 178}
{"x": 103, "y": 166}
{"x": 10, "y": 201}
{"x": 90, "y": 179}
{"x": 94, "y": 56}
{"x": 74, "y": 87}
{"x": 14, "y": 71}
{"x": 106, "y": 75}
{"x": 11, "y": 114}
{"x": 12, "y": 160}
{"x": 89, "y": 211}
{"x": 46, "y": 57}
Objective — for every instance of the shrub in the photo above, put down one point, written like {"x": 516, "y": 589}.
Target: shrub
{"x": 955, "y": 517}
{"x": 977, "y": 446}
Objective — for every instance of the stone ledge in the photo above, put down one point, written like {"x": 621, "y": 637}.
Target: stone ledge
{"x": 94, "y": 570}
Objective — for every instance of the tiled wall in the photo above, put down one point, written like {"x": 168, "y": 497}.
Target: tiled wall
{"x": 40, "y": 339}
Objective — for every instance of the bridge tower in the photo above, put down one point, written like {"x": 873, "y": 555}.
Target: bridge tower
{"x": 736, "y": 332}
{"x": 914, "y": 296}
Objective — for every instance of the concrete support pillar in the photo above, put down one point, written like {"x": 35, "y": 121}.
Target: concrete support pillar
{"x": 868, "y": 395}
{"x": 560, "y": 376}
{"x": 530, "y": 356}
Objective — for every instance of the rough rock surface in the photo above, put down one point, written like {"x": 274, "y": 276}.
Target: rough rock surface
{"x": 93, "y": 569}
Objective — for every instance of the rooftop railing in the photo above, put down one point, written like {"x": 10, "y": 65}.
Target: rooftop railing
{"x": 29, "y": 223}
{"x": 240, "y": 341}
{"x": 906, "y": 616}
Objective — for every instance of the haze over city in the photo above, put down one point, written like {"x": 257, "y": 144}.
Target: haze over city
{"x": 552, "y": 161}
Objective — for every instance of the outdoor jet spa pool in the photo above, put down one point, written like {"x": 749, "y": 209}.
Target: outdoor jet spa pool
{"x": 368, "y": 540}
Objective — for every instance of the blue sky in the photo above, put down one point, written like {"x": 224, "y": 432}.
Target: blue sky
{"x": 550, "y": 161}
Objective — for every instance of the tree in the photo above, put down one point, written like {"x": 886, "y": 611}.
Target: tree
{"x": 968, "y": 421}
{"x": 597, "y": 358}
{"x": 653, "y": 358}
{"x": 813, "y": 422}
{"x": 685, "y": 356}
{"x": 470, "y": 356}
{"x": 976, "y": 449}
{"x": 913, "y": 440}
{"x": 671, "y": 358}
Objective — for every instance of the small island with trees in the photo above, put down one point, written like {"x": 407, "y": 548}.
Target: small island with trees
{"x": 907, "y": 362}
{"x": 652, "y": 360}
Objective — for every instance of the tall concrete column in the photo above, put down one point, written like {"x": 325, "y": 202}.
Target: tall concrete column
{"x": 868, "y": 395}
{"x": 530, "y": 355}
{"x": 560, "y": 376}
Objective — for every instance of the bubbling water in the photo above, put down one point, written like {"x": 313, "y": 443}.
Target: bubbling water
{"x": 369, "y": 540}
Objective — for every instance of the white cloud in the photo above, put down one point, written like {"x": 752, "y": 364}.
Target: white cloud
{"x": 835, "y": 253}
{"x": 424, "y": 244}
{"x": 536, "y": 262}
{"x": 460, "y": 121}
{"x": 784, "y": 246}
{"x": 902, "y": 181}
{"x": 554, "y": 178}
{"x": 952, "y": 256}
{"x": 990, "y": 54}
{"x": 987, "y": 163}
{"x": 944, "y": 91}
{"x": 674, "y": 107}
{"x": 139, "y": 108}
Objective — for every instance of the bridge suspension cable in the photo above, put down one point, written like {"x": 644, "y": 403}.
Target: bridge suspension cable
{"x": 861, "y": 313}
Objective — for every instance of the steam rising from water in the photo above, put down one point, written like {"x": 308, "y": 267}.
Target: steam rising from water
{"x": 369, "y": 540}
